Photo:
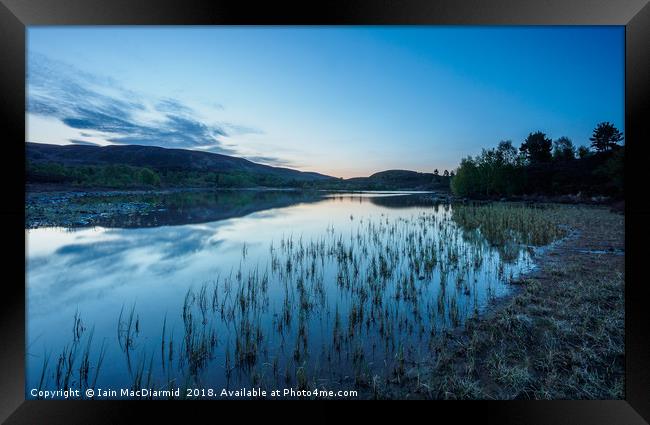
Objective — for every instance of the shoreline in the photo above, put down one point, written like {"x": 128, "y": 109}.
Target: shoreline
{"x": 558, "y": 335}
{"x": 54, "y": 205}
{"x": 59, "y": 207}
{"x": 42, "y": 189}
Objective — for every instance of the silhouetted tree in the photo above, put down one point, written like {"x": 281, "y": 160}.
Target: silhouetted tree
{"x": 497, "y": 171}
{"x": 507, "y": 154}
{"x": 537, "y": 147}
{"x": 583, "y": 152}
{"x": 605, "y": 137}
{"x": 563, "y": 149}
{"x": 507, "y": 171}
{"x": 467, "y": 179}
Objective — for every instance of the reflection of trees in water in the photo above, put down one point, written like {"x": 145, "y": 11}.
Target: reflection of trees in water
{"x": 205, "y": 206}
{"x": 408, "y": 201}
{"x": 510, "y": 228}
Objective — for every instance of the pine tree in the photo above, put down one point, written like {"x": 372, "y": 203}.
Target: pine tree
{"x": 605, "y": 137}
{"x": 537, "y": 147}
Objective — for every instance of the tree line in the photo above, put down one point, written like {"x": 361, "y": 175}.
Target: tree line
{"x": 126, "y": 176}
{"x": 544, "y": 166}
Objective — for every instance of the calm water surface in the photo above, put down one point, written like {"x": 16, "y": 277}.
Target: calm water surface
{"x": 268, "y": 289}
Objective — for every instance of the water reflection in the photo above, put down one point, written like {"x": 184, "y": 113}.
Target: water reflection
{"x": 203, "y": 206}
{"x": 288, "y": 289}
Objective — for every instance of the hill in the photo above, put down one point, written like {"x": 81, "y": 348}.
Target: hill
{"x": 135, "y": 166}
{"x": 399, "y": 180}
{"x": 157, "y": 158}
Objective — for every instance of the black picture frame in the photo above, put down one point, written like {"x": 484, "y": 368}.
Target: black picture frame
{"x": 16, "y": 15}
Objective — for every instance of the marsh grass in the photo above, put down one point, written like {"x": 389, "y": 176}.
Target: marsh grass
{"x": 44, "y": 375}
{"x": 367, "y": 306}
{"x": 506, "y": 225}
{"x": 560, "y": 337}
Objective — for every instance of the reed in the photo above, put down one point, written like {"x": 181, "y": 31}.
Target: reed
{"x": 355, "y": 303}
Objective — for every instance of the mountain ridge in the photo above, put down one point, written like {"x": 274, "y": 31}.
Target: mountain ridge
{"x": 62, "y": 163}
{"x": 155, "y": 157}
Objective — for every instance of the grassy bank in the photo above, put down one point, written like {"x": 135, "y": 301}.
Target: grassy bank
{"x": 560, "y": 337}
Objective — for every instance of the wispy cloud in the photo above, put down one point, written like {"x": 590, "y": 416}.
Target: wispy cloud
{"x": 100, "y": 105}
{"x": 271, "y": 160}
{"x": 238, "y": 129}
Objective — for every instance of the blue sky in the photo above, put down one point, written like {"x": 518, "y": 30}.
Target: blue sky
{"x": 345, "y": 101}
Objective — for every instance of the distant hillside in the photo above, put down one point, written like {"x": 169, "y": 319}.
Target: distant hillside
{"x": 134, "y": 166}
{"x": 400, "y": 179}
{"x": 159, "y": 159}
